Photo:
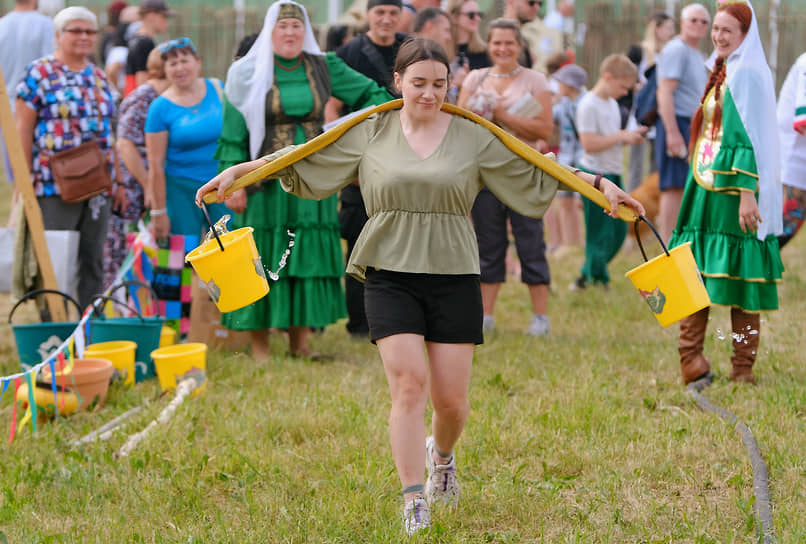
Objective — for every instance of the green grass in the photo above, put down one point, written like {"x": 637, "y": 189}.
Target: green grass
{"x": 585, "y": 437}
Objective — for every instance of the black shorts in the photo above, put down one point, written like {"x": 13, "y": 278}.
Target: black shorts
{"x": 442, "y": 308}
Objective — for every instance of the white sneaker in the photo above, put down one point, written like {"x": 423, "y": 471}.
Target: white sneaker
{"x": 487, "y": 324}
{"x": 441, "y": 484}
{"x": 416, "y": 516}
{"x": 539, "y": 326}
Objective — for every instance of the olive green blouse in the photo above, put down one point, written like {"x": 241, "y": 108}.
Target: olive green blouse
{"x": 419, "y": 208}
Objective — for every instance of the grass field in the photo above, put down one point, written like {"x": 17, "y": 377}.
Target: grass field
{"x": 585, "y": 437}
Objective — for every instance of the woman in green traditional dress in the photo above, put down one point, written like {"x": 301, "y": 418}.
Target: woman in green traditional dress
{"x": 276, "y": 96}
{"x": 731, "y": 209}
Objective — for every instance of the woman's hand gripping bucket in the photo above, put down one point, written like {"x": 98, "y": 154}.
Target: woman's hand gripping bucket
{"x": 670, "y": 283}
{"x": 229, "y": 264}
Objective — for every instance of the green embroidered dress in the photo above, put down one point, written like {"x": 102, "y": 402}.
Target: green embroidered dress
{"x": 309, "y": 291}
{"x": 738, "y": 269}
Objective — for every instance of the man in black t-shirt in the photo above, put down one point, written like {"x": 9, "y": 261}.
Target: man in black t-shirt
{"x": 154, "y": 20}
{"x": 372, "y": 54}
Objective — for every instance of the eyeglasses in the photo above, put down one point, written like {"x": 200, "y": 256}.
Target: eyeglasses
{"x": 701, "y": 21}
{"x": 533, "y": 3}
{"x": 473, "y": 14}
{"x": 178, "y": 43}
{"x": 79, "y": 31}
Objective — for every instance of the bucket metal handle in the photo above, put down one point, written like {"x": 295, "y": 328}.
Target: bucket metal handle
{"x": 139, "y": 284}
{"x": 638, "y": 237}
{"x": 212, "y": 227}
{"x": 37, "y": 292}
{"x": 101, "y": 298}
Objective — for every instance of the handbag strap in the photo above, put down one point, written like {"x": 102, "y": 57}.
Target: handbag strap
{"x": 86, "y": 96}
{"x": 118, "y": 179}
{"x": 219, "y": 91}
{"x": 481, "y": 81}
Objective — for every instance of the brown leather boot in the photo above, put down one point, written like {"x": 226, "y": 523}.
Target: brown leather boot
{"x": 693, "y": 363}
{"x": 746, "y": 330}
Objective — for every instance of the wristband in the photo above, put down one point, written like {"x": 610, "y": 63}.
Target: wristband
{"x": 597, "y": 181}
{"x": 157, "y": 213}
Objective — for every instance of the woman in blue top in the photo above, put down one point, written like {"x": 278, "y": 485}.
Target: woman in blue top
{"x": 182, "y": 130}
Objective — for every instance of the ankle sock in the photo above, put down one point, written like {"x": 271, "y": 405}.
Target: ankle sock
{"x": 417, "y": 488}
{"x": 444, "y": 458}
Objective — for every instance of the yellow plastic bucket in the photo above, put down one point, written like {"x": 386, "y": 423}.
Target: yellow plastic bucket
{"x": 670, "y": 283}
{"x": 174, "y": 363}
{"x": 66, "y": 400}
{"x": 235, "y": 276}
{"x": 119, "y": 352}
{"x": 167, "y": 336}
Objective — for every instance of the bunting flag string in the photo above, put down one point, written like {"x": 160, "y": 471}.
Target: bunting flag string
{"x": 73, "y": 346}
{"x": 54, "y": 388}
{"x": 14, "y": 412}
{"x": 30, "y": 381}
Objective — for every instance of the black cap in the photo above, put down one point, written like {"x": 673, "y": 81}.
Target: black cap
{"x": 372, "y": 3}
{"x": 147, "y": 6}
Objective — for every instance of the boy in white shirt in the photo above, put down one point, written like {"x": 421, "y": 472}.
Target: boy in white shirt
{"x": 598, "y": 122}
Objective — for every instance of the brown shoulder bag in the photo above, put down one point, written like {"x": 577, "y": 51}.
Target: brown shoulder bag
{"x": 80, "y": 172}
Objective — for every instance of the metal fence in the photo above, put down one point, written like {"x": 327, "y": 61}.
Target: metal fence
{"x": 611, "y": 26}
{"x": 614, "y": 26}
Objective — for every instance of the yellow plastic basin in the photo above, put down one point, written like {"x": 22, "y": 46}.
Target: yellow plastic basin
{"x": 174, "y": 363}
{"x": 119, "y": 352}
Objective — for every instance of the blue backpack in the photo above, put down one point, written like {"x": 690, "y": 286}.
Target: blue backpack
{"x": 646, "y": 101}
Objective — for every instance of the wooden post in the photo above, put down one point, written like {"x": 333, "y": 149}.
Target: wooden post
{"x": 22, "y": 182}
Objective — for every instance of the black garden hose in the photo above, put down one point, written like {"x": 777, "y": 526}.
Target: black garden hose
{"x": 761, "y": 478}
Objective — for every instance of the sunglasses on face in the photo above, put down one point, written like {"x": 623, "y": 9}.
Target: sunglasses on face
{"x": 473, "y": 14}
{"x": 79, "y": 31}
{"x": 179, "y": 43}
{"x": 533, "y": 3}
{"x": 701, "y": 21}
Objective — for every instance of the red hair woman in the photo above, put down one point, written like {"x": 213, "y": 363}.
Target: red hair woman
{"x": 731, "y": 209}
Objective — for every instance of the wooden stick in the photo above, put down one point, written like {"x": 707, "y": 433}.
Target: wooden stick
{"x": 33, "y": 214}
{"x": 518, "y": 147}
{"x": 184, "y": 389}
{"x": 105, "y": 431}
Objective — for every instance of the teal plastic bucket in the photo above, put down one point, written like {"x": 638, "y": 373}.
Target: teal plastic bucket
{"x": 143, "y": 331}
{"x": 35, "y": 341}
{"x": 38, "y": 340}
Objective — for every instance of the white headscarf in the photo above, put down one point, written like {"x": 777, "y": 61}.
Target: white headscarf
{"x": 250, "y": 77}
{"x": 749, "y": 80}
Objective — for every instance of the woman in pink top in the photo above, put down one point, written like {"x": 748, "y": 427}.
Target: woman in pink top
{"x": 518, "y": 100}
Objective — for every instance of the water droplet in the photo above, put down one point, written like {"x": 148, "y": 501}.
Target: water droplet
{"x": 752, "y": 332}
{"x": 220, "y": 227}
{"x": 719, "y": 334}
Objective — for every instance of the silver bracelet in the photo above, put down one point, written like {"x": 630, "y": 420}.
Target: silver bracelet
{"x": 157, "y": 213}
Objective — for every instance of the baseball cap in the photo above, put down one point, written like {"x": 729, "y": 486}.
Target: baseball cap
{"x": 115, "y": 7}
{"x": 572, "y": 75}
{"x": 147, "y": 6}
